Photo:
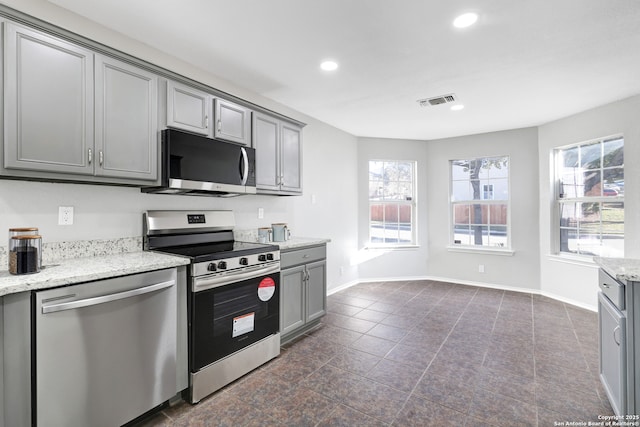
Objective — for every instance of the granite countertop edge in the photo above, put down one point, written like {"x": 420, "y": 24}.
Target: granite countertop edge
{"x": 623, "y": 269}
{"x": 300, "y": 242}
{"x": 87, "y": 269}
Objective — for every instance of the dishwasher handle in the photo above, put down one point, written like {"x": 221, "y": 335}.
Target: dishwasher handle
{"x": 106, "y": 298}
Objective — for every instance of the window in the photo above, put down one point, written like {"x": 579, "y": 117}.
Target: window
{"x": 590, "y": 198}
{"x": 392, "y": 207}
{"x": 480, "y": 202}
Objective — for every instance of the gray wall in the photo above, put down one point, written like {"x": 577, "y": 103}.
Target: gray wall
{"x": 519, "y": 271}
{"x": 380, "y": 264}
{"x": 563, "y": 277}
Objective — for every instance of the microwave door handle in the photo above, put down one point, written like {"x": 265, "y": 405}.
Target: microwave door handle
{"x": 245, "y": 166}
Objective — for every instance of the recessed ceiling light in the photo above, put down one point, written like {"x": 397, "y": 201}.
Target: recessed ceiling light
{"x": 457, "y": 107}
{"x": 465, "y": 20}
{"x": 329, "y": 65}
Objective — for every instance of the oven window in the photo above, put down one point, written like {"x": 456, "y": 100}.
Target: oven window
{"x": 230, "y": 317}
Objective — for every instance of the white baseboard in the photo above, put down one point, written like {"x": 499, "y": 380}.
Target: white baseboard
{"x": 467, "y": 283}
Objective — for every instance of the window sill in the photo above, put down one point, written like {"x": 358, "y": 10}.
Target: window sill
{"x": 487, "y": 251}
{"x": 586, "y": 260}
{"x": 391, "y": 248}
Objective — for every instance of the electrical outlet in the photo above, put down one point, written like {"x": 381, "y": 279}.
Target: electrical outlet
{"x": 481, "y": 268}
{"x": 260, "y": 213}
{"x": 65, "y": 215}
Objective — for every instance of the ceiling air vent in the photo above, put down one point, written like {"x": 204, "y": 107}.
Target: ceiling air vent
{"x": 444, "y": 99}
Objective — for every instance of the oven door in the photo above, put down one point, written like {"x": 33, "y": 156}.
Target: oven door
{"x": 232, "y": 311}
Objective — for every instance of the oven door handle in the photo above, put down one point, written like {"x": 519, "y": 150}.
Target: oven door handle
{"x": 214, "y": 281}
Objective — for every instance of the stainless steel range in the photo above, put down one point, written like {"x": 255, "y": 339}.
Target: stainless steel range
{"x": 233, "y": 295}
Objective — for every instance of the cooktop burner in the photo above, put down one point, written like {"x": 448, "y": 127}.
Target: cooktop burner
{"x": 218, "y": 250}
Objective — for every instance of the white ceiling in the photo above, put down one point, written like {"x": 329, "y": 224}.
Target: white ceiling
{"x": 523, "y": 64}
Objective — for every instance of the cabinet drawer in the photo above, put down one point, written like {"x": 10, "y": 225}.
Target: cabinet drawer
{"x": 613, "y": 289}
{"x": 302, "y": 256}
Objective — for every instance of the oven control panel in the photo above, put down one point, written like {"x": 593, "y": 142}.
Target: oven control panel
{"x": 233, "y": 264}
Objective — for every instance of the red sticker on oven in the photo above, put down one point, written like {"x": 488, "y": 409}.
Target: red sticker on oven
{"x": 266, "y": 289}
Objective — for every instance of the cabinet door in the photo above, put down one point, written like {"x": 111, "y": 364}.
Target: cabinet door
{"x": 292, "y": 299}
{"x": 233, "y": 122}
{"x": 266, "y": 137}
{"x": 291, "y": 158}
{"x": 316, "y": 290}
{"x": 48, "y": 104}
{"x": 613, "y": 371}
{"x": 126, "y": 120}
{"x": 188, "y": 109}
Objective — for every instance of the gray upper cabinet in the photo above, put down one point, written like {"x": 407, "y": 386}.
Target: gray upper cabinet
{"x": 266, "y": 141}
{"x": 189, "y": 109}
{"x": 126, "y": 120}
{"x": 72, "y": 114}
{"x": 278, "y": 147}
{"x": 48, "y": 103}
{"x": 233, "y": 122}
{"x": 291, "y": 158}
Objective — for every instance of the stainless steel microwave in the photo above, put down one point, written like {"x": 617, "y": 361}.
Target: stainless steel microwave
{"x": 193, "y": 164}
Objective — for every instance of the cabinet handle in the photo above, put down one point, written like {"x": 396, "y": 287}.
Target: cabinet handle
{"x": 604, "y": 285}
{"x": 305, "y": 256}
{"x": 206, "y": 121}
{"x": 101, "y": 157}
{"x": 90, "y": 155}
{"x": 219, "y": 125}
{"x": 617, "y": 328}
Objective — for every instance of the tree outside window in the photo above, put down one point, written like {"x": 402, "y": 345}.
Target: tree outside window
{"x": 480, "y": 202}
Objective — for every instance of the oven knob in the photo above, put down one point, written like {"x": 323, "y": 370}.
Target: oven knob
{"x": 262, "y": 257}
{"x": 222, "y": 265}
{"x": 211, "y": 267}
{"x": 270, "y": 257}
{"x": 244, "y": 261}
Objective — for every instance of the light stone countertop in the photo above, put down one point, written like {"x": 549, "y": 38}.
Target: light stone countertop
{"x": 85, "y": 269}
{"x": 300, "y": 242}
{"x": 623, "y": 269}
{"x": 63, "y": 263}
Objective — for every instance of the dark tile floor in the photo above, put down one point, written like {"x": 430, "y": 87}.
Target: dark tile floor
{"x": 421, "y": 353}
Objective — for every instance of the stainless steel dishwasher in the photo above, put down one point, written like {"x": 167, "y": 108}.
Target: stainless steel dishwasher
{"x": 105, "y": 351}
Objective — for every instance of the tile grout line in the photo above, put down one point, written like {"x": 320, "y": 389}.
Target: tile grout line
{"x": 436, "y": 355}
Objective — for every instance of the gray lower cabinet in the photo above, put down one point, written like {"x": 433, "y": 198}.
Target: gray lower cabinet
{"x": 619, "y": 324}
{"x": 126, "y": 100}
{"x": 70, "y": 119}
{"x": 278, "y": 147}
{"x": 303, "y": 290}
{"x": 613, "y": 366}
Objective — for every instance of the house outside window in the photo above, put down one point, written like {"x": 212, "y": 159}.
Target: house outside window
{"x": 590, "y": 198}
{"x": 392, "y": 203}
{"x": 480, "y": 202}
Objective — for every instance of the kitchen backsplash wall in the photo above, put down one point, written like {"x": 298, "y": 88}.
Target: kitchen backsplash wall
{"x": 107, "y": 213}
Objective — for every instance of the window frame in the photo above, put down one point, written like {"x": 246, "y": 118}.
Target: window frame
{"x": 560, "y": 198}
{"x": 505, "y": 249}
{"x": 413, "y": 203}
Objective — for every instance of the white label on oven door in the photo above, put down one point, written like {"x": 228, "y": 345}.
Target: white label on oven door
{"x": 243, "y": 324}
{"x": 266, "y": 289}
